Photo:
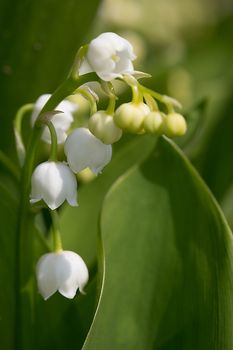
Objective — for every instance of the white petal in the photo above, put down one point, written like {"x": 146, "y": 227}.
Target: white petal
{"x": 53, "y": 182}
{"x": 37, "y": 183}
{"x": 36, "y": 194}
{"x": 71, "y": 273}
{"x": 46, "y": 275}
{"x": 61, "y": 135}
{"x": 110, "y": 56}
{"x": 70, "y": 184}
{"x": 108, "y": 76}
{"x": 84, "y": 150}
{"x": 101, "y": 157}
{"x": 114, "y": 42}
{"x": 100, "y": 53}
{"x": 67, "y": 106}
{"x": 77, "y": 149}
{"x": 124, "y": 66}
{"x": 85, "y": 67}
{"x": 64, "y": 106}
{"x": 39, "y": 104}
{"x": 54, "y": 190}
{"x": 61, "y": 121}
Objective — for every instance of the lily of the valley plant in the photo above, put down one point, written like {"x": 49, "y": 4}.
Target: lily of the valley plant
{"x": 53, "y": 182}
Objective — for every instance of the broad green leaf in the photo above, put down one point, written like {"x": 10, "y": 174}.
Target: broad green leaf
{"x": 216, "y": 160}
{"x": 168, "y": 272}
{"x": 79, "y": 225}
{"x": 8, "y": 210}
{"x": 227, "y": 205}
{"x": 39, "y": 40}
{"x": 80, "y": 235}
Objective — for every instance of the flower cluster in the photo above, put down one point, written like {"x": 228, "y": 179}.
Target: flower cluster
{"x": 108, "y": 57}
{"x": 54, "y": 181}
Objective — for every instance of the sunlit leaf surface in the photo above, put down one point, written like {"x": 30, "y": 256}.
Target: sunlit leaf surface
{"x": 168, "y": 261}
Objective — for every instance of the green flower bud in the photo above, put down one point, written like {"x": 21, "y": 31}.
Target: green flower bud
{"x": 104, "y": 128}
{"x": 130, "y": 116}
{"x": 154, "y": 123}
{"x": 174, "y": 125}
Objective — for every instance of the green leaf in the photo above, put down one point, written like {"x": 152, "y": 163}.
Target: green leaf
{"x": 80, "y": 234}
{"x": 8, "y": 210}
{"x": 79, "y": 225}
{"x": 216, "y": 160}
{"x": 227, "y": 205}
{"x": 168, "y": 277}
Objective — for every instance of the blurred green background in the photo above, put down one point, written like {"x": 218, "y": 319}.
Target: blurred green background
{"x": 187, "y": 47}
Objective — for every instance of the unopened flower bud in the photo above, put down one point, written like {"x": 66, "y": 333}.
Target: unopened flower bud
{"x": 84, "y": 150}
{"x": 130, "y": 116}
{"x": 174, "y": 125}
{"x": 153, "y": 123}
{"x": 54, "y": 182}
{"x": 104, "y": 128}
{"x": 63, "y": 271}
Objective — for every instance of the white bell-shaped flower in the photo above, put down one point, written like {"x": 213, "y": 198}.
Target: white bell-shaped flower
{"x": 64, "y": 271}
{"x": 110, "y": 56}
{"x": 53, "y": 182}
{"x": 61, "y": 121}
{"x": 84, "y": 150}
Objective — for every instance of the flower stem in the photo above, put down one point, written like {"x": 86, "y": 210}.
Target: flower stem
{"x": 137, "y": 96}
{"x": 151, "y": 102}
{"x": 53, "y": 134}
{"x": 57, "y": 243}
{"x": 43, "y": 241}
{"x": 20, "y": 114}
{"x": 90, "y": 98}
{"x": 111, "y": 106}
{"x": 153, "y": 93}
{"x": 74, "y": 73}
{"x": 169, "y": 102}
{"x": 17, "y": 130}
{"x": 24, "y": 239}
